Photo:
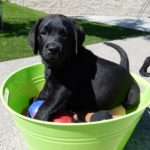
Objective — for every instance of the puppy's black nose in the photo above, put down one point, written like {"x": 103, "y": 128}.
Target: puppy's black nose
{"x": 54, "y": 49}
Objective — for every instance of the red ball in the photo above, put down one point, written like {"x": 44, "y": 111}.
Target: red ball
{"x": 63, "y": 117}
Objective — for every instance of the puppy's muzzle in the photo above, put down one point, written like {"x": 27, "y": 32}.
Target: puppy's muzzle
{"x": 52, "y": 52}
{"x": 54, "y": 49}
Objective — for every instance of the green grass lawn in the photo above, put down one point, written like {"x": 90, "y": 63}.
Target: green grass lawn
{"x": 18, "y": 21}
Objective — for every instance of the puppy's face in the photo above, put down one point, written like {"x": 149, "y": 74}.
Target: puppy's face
{"x": 57, "y": 38}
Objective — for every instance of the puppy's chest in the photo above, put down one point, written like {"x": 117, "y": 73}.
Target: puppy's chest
{"x": 70, "y": 80}
{"x": 75, "y": 78}
{"x": 80, "y": 85}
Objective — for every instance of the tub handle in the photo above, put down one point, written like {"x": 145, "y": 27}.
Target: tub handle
{"x": 6, "y": 95}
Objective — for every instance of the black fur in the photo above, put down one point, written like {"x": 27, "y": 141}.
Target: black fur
{"x": 143, "y": 70}
{"x": 76, "y": 79}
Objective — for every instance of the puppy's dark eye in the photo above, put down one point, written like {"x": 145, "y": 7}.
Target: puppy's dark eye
{"x": 44, "y": 32}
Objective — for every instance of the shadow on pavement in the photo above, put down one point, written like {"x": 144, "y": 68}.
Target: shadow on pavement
{"x": 141, "y": 136}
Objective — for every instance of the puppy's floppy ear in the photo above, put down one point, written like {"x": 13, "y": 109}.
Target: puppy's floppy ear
{"x": 33, "y": 37}
{"x": 79, "y": 37}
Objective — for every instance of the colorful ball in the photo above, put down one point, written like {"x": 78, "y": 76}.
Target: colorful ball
{"x": 63, "y": 117}
{"x": 34, "y": 107}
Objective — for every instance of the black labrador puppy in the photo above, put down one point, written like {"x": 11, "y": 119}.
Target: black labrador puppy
{"x": 76, "y": 79}
{"x": 144, "y": 68}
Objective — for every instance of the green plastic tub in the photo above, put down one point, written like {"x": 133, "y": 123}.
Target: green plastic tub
{"x": 112, "y": 134}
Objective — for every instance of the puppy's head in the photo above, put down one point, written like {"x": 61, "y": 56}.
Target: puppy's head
{"x": 57, "y": 38}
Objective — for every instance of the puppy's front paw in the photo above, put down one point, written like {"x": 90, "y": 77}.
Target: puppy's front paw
{"x": 41, "y": 116}
{"x": 44, "y": 112}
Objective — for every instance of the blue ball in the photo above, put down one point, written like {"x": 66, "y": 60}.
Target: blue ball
{"x": 34, "y": 107}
